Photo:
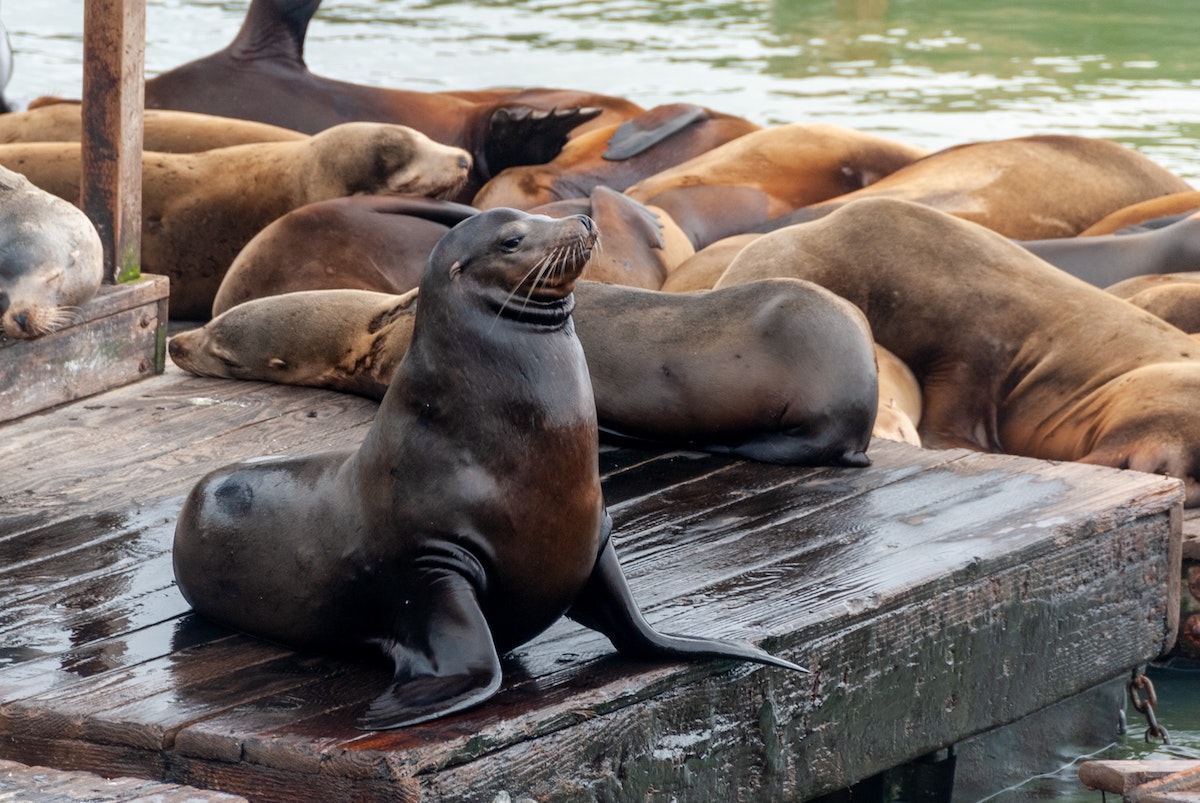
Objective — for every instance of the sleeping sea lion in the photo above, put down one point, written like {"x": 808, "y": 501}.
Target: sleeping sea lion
{"x": 1013, "y": 355}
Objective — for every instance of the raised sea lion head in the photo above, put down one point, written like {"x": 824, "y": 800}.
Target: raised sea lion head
{"x": 516, "y": 261}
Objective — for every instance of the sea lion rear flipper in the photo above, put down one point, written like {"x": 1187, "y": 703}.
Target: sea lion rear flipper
{"x": 445, "y": 658}
{"x": 522, "y": 135}
{"x": 647, "y": 130}
{"x": 607, "y": 605}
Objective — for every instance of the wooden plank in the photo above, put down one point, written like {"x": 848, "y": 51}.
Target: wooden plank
{"x": 46, "y": 785}
{"x": 111, "y": 181}
{"x": 120, "y": 338}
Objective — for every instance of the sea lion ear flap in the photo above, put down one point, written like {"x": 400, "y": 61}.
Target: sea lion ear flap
{"x": 445, "y": 658}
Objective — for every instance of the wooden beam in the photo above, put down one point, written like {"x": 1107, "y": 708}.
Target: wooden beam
{"x": 114, "y": 45}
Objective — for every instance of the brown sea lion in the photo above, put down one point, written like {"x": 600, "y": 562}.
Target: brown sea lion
{"x": 261, "y": 75}
{"x": 363, "y": 242}
{"x": 1027, "y": 188}
{"x": 757, "y": 177}
{"x": 51, "y": 259}
{"x": 780, "y": 371}
{"x": 1167, "y": 205}
{"x": 162, "y": 130}
{"x": 382, "y": 244}
{"x": 616, "y": 156}
{"x": 471, "y": 517}
{"x": 200, "y": 209}
{"x": 1013, "y": 355}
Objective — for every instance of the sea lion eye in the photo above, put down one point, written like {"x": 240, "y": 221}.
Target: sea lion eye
{"x": 512, "y": 243}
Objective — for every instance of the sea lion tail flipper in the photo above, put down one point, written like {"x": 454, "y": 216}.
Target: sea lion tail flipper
{"x": 445, "y": 659}
{"x": 607, "y": 605}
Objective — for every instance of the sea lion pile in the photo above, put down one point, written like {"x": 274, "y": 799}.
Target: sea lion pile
{"x": 779, "y": 293}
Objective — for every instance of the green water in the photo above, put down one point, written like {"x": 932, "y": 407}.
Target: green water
{"x": 931, "y": 73}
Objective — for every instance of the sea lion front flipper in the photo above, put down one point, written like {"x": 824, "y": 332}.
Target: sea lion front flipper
{"x": 444, "y": 655}
{"x": 607, "y": 605}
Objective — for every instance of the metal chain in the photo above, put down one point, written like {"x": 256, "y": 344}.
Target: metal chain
{"x": 1137, "y": 683}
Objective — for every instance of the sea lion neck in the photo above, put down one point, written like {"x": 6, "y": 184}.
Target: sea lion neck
{"x": 514, "y": 305}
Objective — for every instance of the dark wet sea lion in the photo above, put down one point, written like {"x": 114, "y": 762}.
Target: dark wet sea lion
{"x": 1027, "y": 188}
{"x": 200, "y": 209}
{"x": 51, "y": 259}
{"x": 261, "y": 75}
{"x": 779, "y": 371}
{"x": 471, "y": 517}
{"x": 1013, "y": 355}
{"x": 1104, "y": 260}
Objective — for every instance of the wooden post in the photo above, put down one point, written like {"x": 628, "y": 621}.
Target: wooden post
{"x": 114, "y": 46}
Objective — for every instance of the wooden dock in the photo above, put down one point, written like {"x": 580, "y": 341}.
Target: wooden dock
{"x": 935, "y": 595}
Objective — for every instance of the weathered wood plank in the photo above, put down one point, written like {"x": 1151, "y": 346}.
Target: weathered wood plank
{"x": 111, "y": 181}
{"x": 46, "y": 785}
{"x": 119, "y": 339}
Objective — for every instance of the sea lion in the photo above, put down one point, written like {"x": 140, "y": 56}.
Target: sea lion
{"x": 200, "y": 209}
{"x": 1027, "y": 188}
{"x": 616, "y": 156}
{"x": 899, "y": 413}
{"x": 470, "y": 518}
{"x": 382, "y": 244}
{"x": 702, "y": 269}
{"x": 261, "y": 75}
{"x": 51, "y": 259}
{"x": 1105, "y": 259}
{"x": 780, "y": 371}
{"x": 1013, "y": 355}
{"x": 1174, "y": 297}
{"x": 757, "y": 177}
{"x": 364, "y": 242}
{"x": 163, "y": 130}
{"x": 1135, "y": 214}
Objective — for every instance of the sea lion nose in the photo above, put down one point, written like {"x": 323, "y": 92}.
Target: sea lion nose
{"x": 588, "y": 224}
{"x": 464, "y": 162}
{"x": 21, "y": 319}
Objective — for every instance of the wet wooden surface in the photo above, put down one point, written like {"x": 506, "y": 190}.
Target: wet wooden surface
{"x": 45, "y": 785}
{"x": 935, "y": 595}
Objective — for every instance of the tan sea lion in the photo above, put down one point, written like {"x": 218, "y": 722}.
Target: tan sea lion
{"x": 1027, "y": 188}
{"x": 200, "y": 209}
{"x": 1174, "y": 297}
{"x": 51, "y": 259}
{"x": 780, "y": 371}
{"x": 615, "y": 156}
{"x": 1174, "y": 204}
{"x": 762, "y": 175}
{"x": 702, "y": 270}
{"x": 470, "y": 519}
{"x": 899, "y": 413}
{"x": 1012, "y": 354}
{"x": 162, "y": 130}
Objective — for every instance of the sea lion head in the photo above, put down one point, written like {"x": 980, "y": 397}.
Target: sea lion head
{"x": 51, "y": 259}
{"x": 1147, "y": 420}
{"x": 383, "y": 158}
{"x": 515, "y": 261}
